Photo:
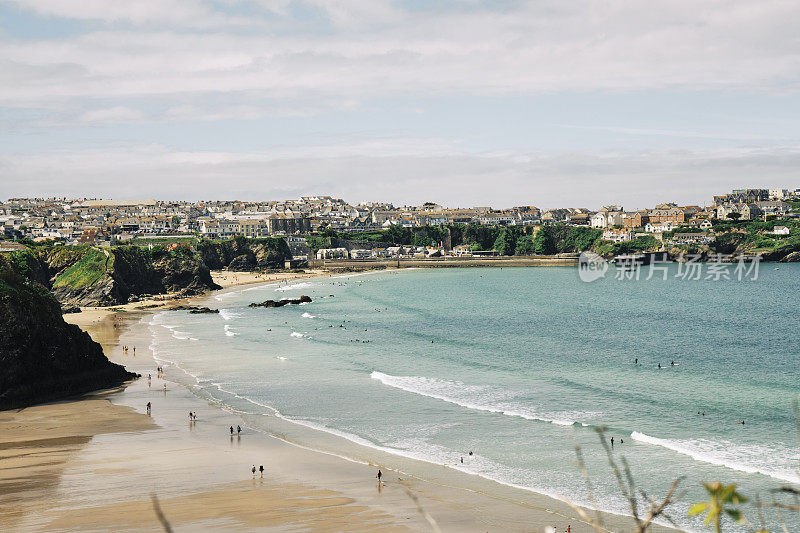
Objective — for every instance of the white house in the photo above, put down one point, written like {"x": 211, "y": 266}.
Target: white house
{"x": 780, "y": 230}
{"x": 660, "y": 227}
{"x": 607, "y": 217}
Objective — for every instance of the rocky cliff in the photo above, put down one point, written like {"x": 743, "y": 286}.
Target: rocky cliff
{"x": 42, "y": 357}
{"x": 244, "y": 254}
{"x": 88, "y": 276}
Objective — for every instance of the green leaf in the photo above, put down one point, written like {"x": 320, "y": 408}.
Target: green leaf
{"x": 698, "y": 508}
{"x": 735, "y": 514}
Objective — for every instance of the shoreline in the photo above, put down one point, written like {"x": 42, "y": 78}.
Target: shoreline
{"x": 457, "y": 501}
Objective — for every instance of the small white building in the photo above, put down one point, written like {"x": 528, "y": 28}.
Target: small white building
{"x": 660, "y": 227}
{"x": 780, "y": 230}
{"x": 332, "y": 253}
{"x": 618, "y": 235}
{"x": 360, "y": 254}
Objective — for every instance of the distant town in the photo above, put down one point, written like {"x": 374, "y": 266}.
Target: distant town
{"x": 113, "y": 222}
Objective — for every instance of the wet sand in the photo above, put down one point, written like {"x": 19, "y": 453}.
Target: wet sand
{"x": 95, "y": 464}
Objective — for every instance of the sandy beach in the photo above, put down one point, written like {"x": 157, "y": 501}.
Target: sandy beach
{"x": 96, "y": 464}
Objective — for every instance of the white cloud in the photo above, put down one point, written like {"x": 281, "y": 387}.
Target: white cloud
{"x": 401, "y": 170}
{"x": 533, "y": 48}
{"x": 111, "y": 115}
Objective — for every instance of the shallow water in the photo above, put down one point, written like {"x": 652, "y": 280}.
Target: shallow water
{"x": 519, "y": 366}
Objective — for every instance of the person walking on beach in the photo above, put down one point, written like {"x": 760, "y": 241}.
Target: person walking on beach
{"x": 231, "y": 431}
{"x": 238, "y": 430}
{"x": 148, "y": 408}
{"x": 254, "y": 471}
{"x": 612, "y": 442}
{"x": 379, "y": 476}
{"x": 261, "y": 469}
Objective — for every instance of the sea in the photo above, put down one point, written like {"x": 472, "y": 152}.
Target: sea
{"x": 518, "y": 376}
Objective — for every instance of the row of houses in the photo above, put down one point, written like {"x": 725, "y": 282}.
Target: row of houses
{"x": 80, "y": 220}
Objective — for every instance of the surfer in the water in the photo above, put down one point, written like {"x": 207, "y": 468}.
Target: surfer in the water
{"x": 672, "y": 363}
{"x": 636, "y": 361}
{"x": 659, "y": 365}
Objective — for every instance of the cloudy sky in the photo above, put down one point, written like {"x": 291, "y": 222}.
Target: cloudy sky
{"x": 462, "y": 102}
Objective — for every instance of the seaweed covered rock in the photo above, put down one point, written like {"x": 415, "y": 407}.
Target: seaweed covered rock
{"x": 42, "y": 357}
{"x": 193, "y": 309}
{"x": 280, "y": 303}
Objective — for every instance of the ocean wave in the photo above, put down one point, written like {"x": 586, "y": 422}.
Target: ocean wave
{"x": 458, "y": 393}
{"x": 228, "y": 314}
{"x": 180, "y": 335}
{"x": 295, "y": 286}
{"x": 220, "y": 297}
{"x": 229, "y": 332}
{"x": 282, "y": 358}
{"x": 420, "y": 450}
{"x": 751, "y": 459}
{"x": 297, "y": 334}
{"x": 307, "y": 315}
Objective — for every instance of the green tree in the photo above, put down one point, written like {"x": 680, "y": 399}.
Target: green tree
{"x": 734, "y": 216}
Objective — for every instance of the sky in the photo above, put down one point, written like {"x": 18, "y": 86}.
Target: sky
{"x": 461, "y": 102}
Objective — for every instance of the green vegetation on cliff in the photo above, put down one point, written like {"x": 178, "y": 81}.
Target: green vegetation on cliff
{"x": 562, "y": 238}
{"x": 88, "y": 267}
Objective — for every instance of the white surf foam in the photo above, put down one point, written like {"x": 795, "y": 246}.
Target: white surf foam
{"x": 282, "y": 358}
{"x": 228, "y": 314}
{"x": 229, "y": 332}
{"x": 295, "y": 286}
{"x": 298, "y": 335}
{"x": 479, "y": 398}
{"x": 751, "y": 459}
{"x": 307, "y": 315}
{"x": 225, "y": 295}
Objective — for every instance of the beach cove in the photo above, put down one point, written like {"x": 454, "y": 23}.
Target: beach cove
{"x": 93, "y": 464}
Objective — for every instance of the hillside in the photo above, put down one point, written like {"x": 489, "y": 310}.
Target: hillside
{"x": 42, "y": 357}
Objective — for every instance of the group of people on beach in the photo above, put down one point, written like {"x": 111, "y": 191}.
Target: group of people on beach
{"x": 125, "y": 349}
{"x": 238, "y": 431}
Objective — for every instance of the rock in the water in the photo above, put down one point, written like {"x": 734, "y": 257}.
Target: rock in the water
{"x": 793, "y": 257}
{"x": 280, "y": 303}
{"x": 193, "y": 309}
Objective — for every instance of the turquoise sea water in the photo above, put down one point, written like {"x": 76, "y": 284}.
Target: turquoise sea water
{"x": 518, "y": 365}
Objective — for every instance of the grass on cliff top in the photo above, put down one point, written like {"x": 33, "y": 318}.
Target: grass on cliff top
{"x": 88, "y": 270}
